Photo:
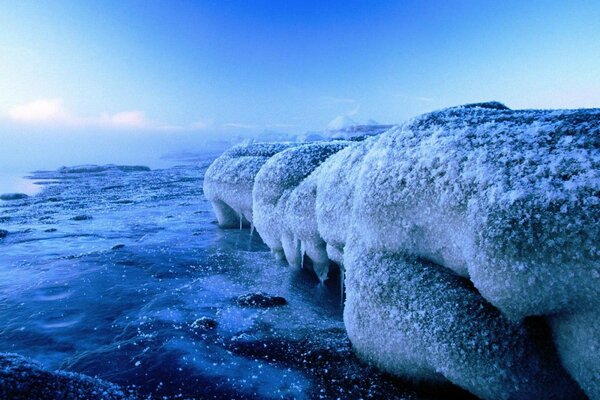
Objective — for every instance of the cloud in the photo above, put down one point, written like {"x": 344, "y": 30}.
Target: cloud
{"x": 131, "y": 119}
{"x": 44, "y": 110}
{"x": 413, "y": 98}
{"x": 338, "y": 100}
{"x": 53, "y": 111}
{"x": 238, "y": 125}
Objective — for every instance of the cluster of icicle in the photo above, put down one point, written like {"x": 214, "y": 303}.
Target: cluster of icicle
{"x": 468, "y": 237}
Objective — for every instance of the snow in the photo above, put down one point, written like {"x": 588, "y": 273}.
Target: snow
{"x": 273, "y": 186}
{"x": 417, "y": 320}
{"x": 229, "y": 181}
{"x": 455, "y": 228}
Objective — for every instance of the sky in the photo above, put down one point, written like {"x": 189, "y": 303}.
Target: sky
{"x": 117, "y": 81}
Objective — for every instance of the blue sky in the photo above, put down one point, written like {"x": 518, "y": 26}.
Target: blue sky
{"x": 206, "y": 67}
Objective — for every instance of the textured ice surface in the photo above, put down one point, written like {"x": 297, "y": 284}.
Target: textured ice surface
{"x": 506, "y": 198}
{"x": 23, "y": 379}
{"x": 274, "y": 185}
{"x": 229, "y": 181}
{"x": 494, "y": 208}
{"x": 413, "y": 318}
{"x": 336, "y": 185}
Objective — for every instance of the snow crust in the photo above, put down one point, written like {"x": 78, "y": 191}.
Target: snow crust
{"x": 280, "y": 187}
{"x": 455, "y": 229}
{"x": 229, "y": 181}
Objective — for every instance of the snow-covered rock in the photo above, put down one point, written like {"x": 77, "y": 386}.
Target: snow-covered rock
{"x": 273, "y": 186}
{"x": 336, "y": 184}
{"x": 415, "y": 319}
{"x": 507, "y": 198}
{"x": 229, "y": 181}
{"x": 453, "y": 228}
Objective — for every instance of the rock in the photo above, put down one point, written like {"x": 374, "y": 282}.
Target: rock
{"x": 260, "y": 300}
{"x": 81, "y": 218}
{"x": 3, "y": 233}
{"x": 13, "y": 196}
{"x": 117, "y": 246}
{"x": 50, "y": 230}
{"x": 204, "y": 324}
{"x": 24, "y": 379}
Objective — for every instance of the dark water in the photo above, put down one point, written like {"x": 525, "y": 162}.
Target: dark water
{"x": 72, "y": 300}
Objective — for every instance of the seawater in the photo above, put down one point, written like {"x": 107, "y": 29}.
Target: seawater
{"x": 105, "y": 271}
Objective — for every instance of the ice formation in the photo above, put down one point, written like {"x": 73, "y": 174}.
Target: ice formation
{"x": 283, "y": 180}
{"x": 453, "y": 229}
{"x": 229, "y": 181}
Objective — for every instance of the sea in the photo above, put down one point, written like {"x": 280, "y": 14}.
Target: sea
{"x": 121, "y": 273}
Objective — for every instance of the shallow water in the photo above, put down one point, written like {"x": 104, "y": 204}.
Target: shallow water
{"x": 14, "y": 182}
{"x": 72, "y": 300}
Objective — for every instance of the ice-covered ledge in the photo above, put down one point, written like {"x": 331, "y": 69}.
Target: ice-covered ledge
{"x": 451, "y": 228}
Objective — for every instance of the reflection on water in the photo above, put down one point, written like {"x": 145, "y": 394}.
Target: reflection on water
{"x": 17, "y": 183}
{"x": 116, "y": 294}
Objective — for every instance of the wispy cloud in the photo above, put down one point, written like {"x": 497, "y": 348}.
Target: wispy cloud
{"x": 239, "y": 125}
{"x": 54, "y": 112}
{"x": 414, "y": 98}
{"x": 338, "y": 100}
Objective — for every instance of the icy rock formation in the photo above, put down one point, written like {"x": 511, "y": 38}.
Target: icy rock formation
{"x": 273, "y": 186}
{"x": 506, "y": 198}
{"x": 415, "y": 319}
{"x": 336, "y": 182}
{"x": 21, "y": 378}
{"x": 463, "y": 223}
{"x": 229, "y": 180}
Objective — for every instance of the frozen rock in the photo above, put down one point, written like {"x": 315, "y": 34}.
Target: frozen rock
{"x": 508, "y": 199}
{"x": 229, "y": 181}
{"x": 3, "y": 233}
{"x": 118, "y": 246}
{"x": 336, "y": 184}
{"x": 260, "y": 300}
{"x": 491, "y": 213}
{"x": 274, "y": 184}
{"x": 24, "y": 379}
{"x": 204, "y": 324}
{"x": 416, "y": 319}
{"x": 82, "y": 217}
{"x": 13, "y": 196}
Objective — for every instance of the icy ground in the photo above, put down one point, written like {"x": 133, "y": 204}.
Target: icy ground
{"x": 123, "y": 274}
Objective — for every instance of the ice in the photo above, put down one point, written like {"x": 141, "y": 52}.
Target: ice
{"x": 414, "y": 319}
{"x": 229, "y": 180}
{"x": 273, "y": 186}
{"x": 506, "y": 198}
{"x": 336, "y": 185}
{"x": 466, "y": 223}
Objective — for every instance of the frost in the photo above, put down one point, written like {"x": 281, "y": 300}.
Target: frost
{"x": 274, "y": 185}
{"x": 453, "y": 228}
{"x": 229, "y": 180}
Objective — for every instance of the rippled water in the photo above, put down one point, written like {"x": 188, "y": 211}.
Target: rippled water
{"x": 72, "y": 298}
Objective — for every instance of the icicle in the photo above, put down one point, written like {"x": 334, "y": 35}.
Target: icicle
{"x": 241, "y": 221}
{"x": 342, "y": 283}
{"x": 251, "y": 229}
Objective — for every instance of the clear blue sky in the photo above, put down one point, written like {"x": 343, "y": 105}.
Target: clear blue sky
{"x": 226, "y": 66}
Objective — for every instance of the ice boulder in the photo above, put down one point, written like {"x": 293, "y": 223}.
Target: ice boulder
{"x": 415, "y": 319}
{"x": 508, "y": 199}
{"x": 273, "y": 186}
{"x": 336, "y": 183}
{"x": 469, "y": 239}
{"x": 229, "y": 181}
